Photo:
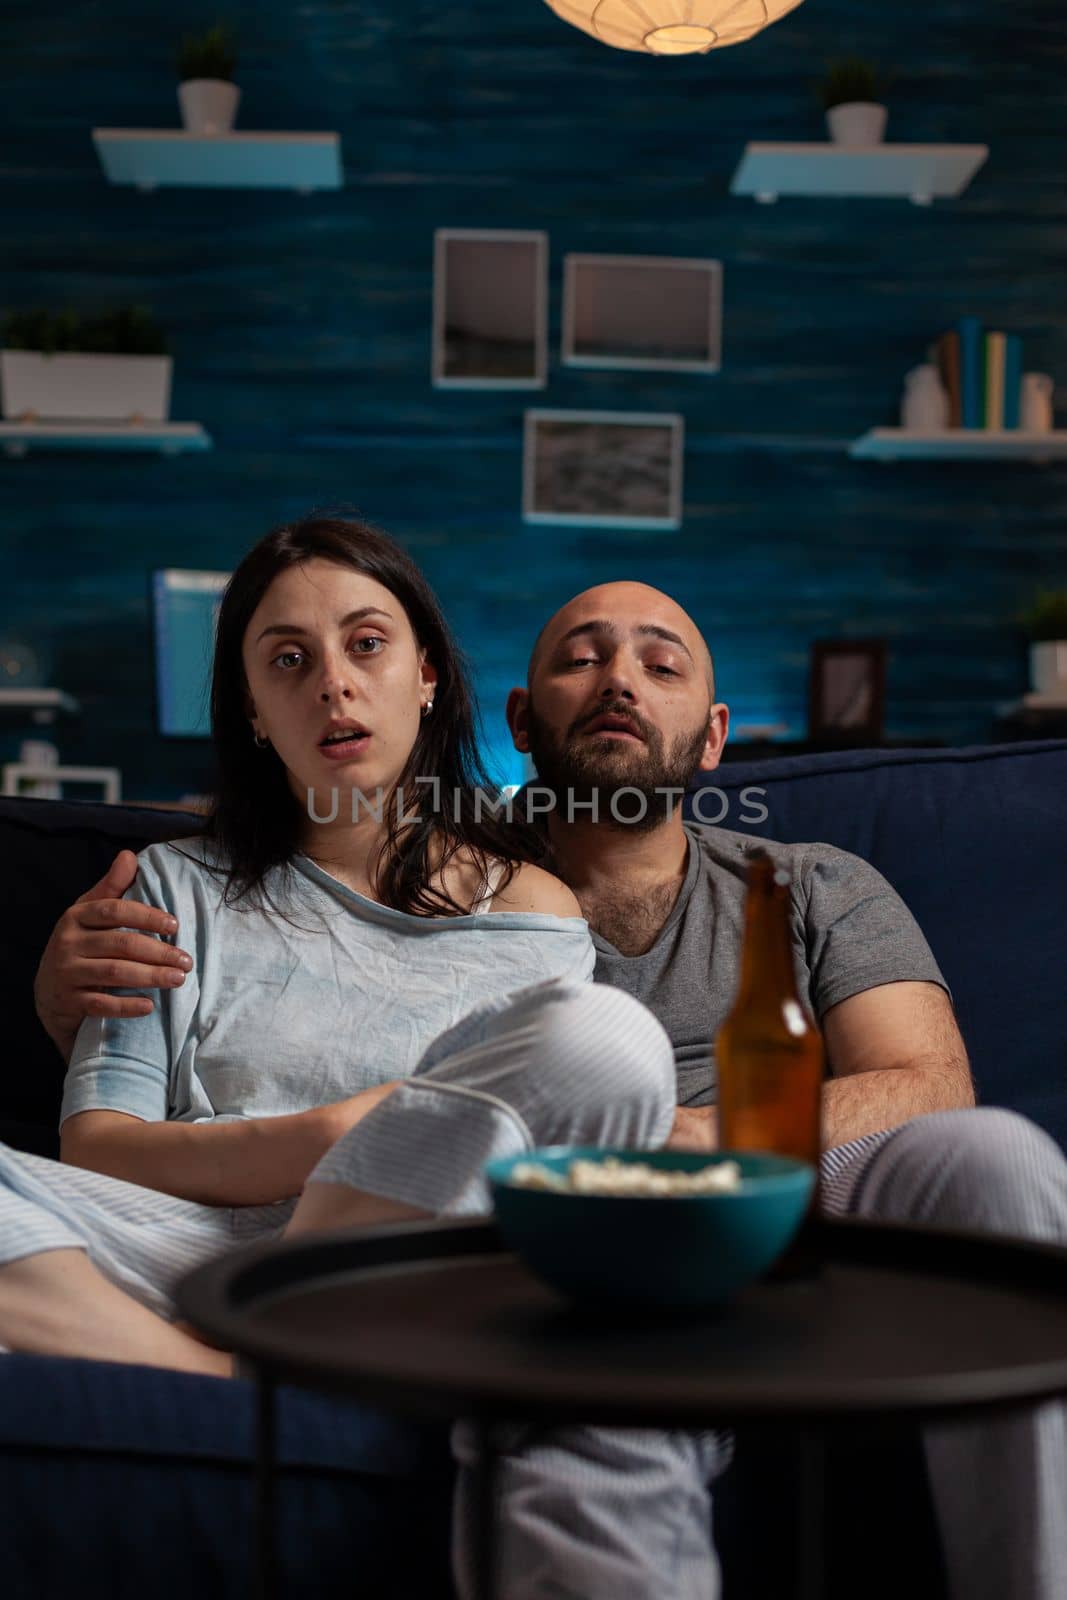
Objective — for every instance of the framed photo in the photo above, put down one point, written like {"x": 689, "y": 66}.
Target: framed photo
{"x": 603, "y": 469}
{"x": 490, "y": 309}
{"x": 847, "y": 690}
{"x": 661, "y": 312}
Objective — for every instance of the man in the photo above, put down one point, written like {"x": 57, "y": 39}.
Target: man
{"x": 620, "y": 701}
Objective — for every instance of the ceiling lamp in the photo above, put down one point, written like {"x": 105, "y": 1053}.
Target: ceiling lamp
{"x": 671, "y": 27}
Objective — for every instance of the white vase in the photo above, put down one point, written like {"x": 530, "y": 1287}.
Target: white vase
{"x": 1048, "y": 668}
{"x": 81, "y": 387}
{"x": 1035, "y": 403}
{"x": 857, "y": 123}
{"x": 208, "y": 105}
{"x": 925, "y": 406}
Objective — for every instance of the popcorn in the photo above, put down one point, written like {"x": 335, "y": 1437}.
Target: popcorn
{"x": 612, "y": 1176}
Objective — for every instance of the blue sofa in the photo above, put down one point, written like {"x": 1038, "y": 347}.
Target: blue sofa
{"x": 132, "y": 1480}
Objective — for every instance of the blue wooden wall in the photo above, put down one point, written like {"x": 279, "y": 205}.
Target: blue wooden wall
{"x": 301, "y": 325}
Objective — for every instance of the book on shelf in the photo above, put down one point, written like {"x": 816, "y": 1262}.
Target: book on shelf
{"x": 1013, "y": 378}
{"x": 971, "y": 396}
{"x": 993, "y": 381}
{"x": 948, "y": 365}
{"x": 982, "y": 374}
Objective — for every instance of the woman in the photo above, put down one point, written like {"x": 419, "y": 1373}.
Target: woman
{"x": 344, "y": 914}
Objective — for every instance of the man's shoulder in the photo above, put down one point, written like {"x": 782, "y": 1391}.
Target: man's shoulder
{"x": 729, "y": 849}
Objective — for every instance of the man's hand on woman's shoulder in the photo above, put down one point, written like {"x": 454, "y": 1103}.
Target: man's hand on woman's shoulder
{"x": 100, "y": 943}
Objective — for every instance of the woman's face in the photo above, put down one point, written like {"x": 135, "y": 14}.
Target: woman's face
{"x": 324, "y": 645}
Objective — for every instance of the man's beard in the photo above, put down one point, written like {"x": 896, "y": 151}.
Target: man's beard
{"x": 582, "y": 771}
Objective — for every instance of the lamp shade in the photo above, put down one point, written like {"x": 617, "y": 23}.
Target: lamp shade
{"x": 671, "y": 27}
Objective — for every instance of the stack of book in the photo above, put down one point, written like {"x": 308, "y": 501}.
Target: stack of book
{"x": 982, "y": 373}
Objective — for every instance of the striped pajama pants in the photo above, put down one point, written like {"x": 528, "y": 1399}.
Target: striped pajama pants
{"x": 614, "y": 1513}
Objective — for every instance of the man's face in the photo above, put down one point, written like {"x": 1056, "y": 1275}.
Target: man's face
{"x": 619, "y": 697}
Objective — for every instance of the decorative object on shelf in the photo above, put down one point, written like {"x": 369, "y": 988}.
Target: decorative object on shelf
{"x": 207, "y": 94}
{"x": 671, "y": 27}
{"x": 850, "y": 95}
{"x": 603, "y": 469}
{"x": 846, "y": 690}
{"x": 992, "y": 409}
{"x": 105, "y": 368}
{"x": 659, "y": 312}
{"x": 916, "y": 172}
{"x": 490, "y": 309}
{"x": 925, "y": 406}
{"x": 1045, "y": 624}
{"x": 1035, "y": 405}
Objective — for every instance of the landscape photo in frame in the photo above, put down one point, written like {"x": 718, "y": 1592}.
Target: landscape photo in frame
{"x": 662, "y": 312}
{"x": 610, "y": 469}
{"x": 490, "y": 314}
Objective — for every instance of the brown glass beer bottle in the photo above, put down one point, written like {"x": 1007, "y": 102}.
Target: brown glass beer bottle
{"x": 769, "y": 1052}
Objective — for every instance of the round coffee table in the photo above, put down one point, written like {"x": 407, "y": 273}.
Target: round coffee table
{"x": 441, "y": 1321}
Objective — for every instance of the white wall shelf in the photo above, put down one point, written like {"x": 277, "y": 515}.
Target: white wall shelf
{"x": 917, "y": 172}
{"x": 153, "y": 158}
{"x": 168, "y": 438}
{"x": 960, "y": 444}
{"x": 41, "y": 706}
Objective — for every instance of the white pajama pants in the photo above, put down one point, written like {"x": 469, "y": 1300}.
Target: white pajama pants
{"x": 592, "y": 1512}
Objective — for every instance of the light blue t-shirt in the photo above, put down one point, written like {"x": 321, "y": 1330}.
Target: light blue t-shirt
{"x": 277, "y": 1018}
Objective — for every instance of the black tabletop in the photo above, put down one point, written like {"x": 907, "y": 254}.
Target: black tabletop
{"x": 441, "y": 1320}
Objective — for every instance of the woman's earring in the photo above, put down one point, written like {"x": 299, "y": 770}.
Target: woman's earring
{"x": 260, "y": 744}
{"x": 427, "y": 708}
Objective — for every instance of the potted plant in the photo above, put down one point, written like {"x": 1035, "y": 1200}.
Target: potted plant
{"x": 110, "y": 367}
{"x": 207, "y": 93}
{"x": 850, "y": 94}
{"x": 1046, "y": 627}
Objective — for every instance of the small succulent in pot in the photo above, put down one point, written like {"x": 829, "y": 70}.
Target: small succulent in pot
{"x": 127, "y": 331}
{"x": 212, "y": 54}
{"x": 852, "y": 96}
{"x": 1045, "y": 620}
{"x": 207, "y": 94}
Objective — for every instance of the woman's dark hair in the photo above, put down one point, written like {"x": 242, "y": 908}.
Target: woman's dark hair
{"x": 257, "y": 821}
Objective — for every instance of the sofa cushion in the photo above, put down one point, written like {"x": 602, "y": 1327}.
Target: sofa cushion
{"x": 138, "y": 1481}
{"x": 51, "y": 851}
{"x": 973, "y": 840}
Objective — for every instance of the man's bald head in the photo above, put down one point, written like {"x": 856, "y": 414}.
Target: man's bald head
{"x": 624, "y": 605}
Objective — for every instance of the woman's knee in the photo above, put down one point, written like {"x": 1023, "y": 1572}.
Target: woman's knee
{"x": 985, "y": 1168}
{"x": 601, "y": 1044}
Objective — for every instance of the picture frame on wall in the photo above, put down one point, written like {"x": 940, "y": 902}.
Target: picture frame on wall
{"x": 653, "y": 312}
{"x": 846, "y": 692}
{"x": 490, "y": 309}
{"x": 603, "y": 469}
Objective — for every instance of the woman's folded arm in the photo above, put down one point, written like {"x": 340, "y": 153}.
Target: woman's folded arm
{"x": 247, "y": 1162}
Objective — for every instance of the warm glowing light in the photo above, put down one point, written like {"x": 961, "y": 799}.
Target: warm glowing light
{"x": 671, "y": 27}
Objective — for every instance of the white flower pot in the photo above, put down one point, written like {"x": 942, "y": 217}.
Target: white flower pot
{"x": 1048, "y": 668}
{"x": 209, "y": 105}
{"x": 84, "y": 388}
{"x": 857, "y": 123}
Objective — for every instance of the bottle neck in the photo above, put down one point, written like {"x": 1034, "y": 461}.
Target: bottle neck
{"x": 767, "y": 965}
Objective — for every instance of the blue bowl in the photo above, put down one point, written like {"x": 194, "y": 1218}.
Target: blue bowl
{"x": 652, "y": 1251}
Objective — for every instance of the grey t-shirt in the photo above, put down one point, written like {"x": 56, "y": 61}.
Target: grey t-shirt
{"x": 851, "y": 931}
{"x": 275, "y": 1017}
